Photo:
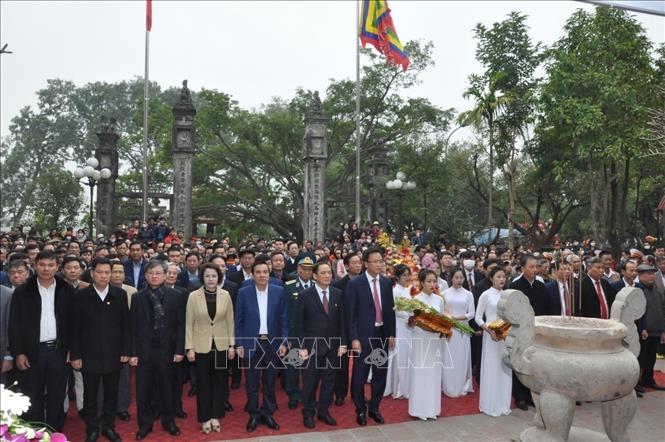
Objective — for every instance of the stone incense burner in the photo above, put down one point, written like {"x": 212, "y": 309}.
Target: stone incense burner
{"x": 563, "y": 360}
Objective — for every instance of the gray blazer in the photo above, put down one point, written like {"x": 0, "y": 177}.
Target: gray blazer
{"x": 5, "y": 301}
{"x": 659, "y": 283}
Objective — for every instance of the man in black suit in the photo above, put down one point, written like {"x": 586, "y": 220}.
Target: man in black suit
{"x": 247, "y": 257}
{"x": 354, "y": 267}
{"x": 370, "y": 314}
{"x": 135, "y": 266}
{"x": 322, "y": 337}
{"x": 597, "y": 295}
{"x": 39, "y": 339}
{"x": 536, "y": 292}
{"x": 159, "y": 341}
{"x": 472, "y": 275}
{"x": 292, "y": 257}
{"x": 559, "y": 300}
{"x": 628, "y": 270}
{"x": 101, "y": 342}
{"x": 189, "y": 275}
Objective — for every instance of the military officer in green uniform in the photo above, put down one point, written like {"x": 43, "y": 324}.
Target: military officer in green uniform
{"x": 292, "y": 289}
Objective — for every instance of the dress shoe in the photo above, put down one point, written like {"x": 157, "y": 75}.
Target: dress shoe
{"x": 522, "y": 405}
{"x": 215, "y": 425}
{"x": 180, "y": 414}
{"x": 328, "y": 420}
{"x": 308, "y": 422}
{"x": 270, "y": 423}
{"x": 640, "y": 389}
{"x": 228, "y": 406}
{"x": 376, "y": 416}
{"x": 361, "y": 419}
{"x": 638, "y": 394}
{"x": 92, "y": 436}
{"x": 339, "y": 402}
{"x": 293, "y": 404}
{"x": 123, "y": 415}
{"x": 656, "y": 387}
{"x": 143, "y": 433}
{"x": 251, "y": 424}
{"x": 171, "y": 428}
{"x": 191, "y": 392}
{"x": 111, "y": 435}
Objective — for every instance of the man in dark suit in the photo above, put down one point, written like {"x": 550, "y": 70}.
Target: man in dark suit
{"x": 628, "y": 271}
{"x": 292, "y": 257}
{"x": 651, "y": 326}
{"x": 189, "y": 275}
{"x": 101, "y": 342}
{"x": 7, "y": 360}
{"x": 247, "y": 257}
{"x": 371, "y": 329}
{"x": 597, "y": 295}
{"x": 354, "y": 266}
{"x": 158, "y": 320}
{"x": 559, "y": 300}
{"x": 261, "y": 331}
{"x": 321, "y": 333}
{"x": 472, "y": 275}
{"x": 135, "y": 266}
{"x": 39, "y": 339}
{"x": 537, "y": 293}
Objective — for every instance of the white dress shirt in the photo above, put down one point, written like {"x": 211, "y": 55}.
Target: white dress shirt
{"x": 103, "y": 293}
{"x": 370, "y": 278}
{"x": 626, "y": 283}
{"x": 47, "y": 325}
{"x": 262, "y": 300}
{"x": 304, "y": 284}
{"x": 246, "y": 275}
{"x": 319, "y": 290}
{"x": 562, "y": 298}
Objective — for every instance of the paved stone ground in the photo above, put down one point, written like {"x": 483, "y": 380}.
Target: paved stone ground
{"x": 647, "y": 426}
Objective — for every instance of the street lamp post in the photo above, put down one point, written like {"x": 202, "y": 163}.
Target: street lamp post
{"x": 93, "y": 176}
{"x": 399, "y": 184}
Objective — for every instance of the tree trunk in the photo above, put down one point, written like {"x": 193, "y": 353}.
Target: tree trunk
{"x": 595, "y": 231}
{"x": 27, "y": 194}
{"x": 490, "y": 124}
{"x": 623, "y": 215}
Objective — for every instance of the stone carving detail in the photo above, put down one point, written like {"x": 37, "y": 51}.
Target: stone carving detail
{"x": 559, "y": 359}
{"x": 107, "y": 155}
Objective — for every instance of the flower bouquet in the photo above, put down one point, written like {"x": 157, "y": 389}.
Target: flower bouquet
{"x": 429, "y": 319}
{"x": 15, "y": 429}
{"x": 500, "y": 328}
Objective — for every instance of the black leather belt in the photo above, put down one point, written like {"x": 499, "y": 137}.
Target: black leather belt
{"x": 263, "y": 337}
{"x": 48, "y": 344}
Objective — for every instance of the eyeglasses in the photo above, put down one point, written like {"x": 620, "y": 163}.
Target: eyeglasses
{"x": 376, "y": 261}
{"x": 155, "y": 273}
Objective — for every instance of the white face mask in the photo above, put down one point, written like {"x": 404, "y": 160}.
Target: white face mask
{"x": 469, "y": 264}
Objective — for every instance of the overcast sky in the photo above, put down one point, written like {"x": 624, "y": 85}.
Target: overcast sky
{"x": 251, "y": 50}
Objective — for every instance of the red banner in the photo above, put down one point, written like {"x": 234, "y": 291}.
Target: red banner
{"x": 148, "y": 15}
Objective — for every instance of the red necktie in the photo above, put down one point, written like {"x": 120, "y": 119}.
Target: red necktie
{"x": 601, "y": 301}
{"x": 470, "y": 278}
{"x": 566, "y": 300}
{"x": 325, "y": 302}
{"x": 378, "y": 317}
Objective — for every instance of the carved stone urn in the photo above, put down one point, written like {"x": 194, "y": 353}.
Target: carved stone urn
{"x": 564, "y": 359}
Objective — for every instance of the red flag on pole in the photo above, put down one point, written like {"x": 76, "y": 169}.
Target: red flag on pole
{"x": 148, "y": 15}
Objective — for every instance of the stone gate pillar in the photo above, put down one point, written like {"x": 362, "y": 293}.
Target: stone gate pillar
{"x": 107, "y": 155}
{"x": 315, "y": 158}
{"x": 183, "y": 146}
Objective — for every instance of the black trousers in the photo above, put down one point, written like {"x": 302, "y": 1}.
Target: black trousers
{"x": 154, "y": 375}
{"x": 292, "y": 382}
{"x": 181, "y": 373}
{"x": 342, "y": 377}
{"x": 378, "y": 345}
{"x": 110, "y": 382}
{"x": 318, "y": 369}
{"x": 124, "y": 390}
{"x": 212, "y": 384}
{"x": 235, "y": 373}
{"x": 476, "y": 355}
{"x": 647, "y": 359}
{"x": 260, "y": 371}
{"x": 520, "y": 391}
{"x": 48, "y": 372}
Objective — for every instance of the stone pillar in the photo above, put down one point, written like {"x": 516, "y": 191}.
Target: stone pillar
{"x": 378, "y": 172}
{"x": 315, "y": 158}
{"x": 183, "y": 146}
{"x": 107, "y": 155}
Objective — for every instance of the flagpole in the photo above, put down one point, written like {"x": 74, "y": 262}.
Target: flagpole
{"x": 145, "y": 126}
{"x": 357, "y": 28}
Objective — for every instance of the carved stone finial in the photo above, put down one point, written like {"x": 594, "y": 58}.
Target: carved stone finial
{"x": 628, "y": 306}
{"x": 107, "y": 125}
{"x": 185, "y": 94}
{"x": 316, "y": 103}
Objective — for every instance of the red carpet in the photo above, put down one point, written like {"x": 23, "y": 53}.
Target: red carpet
{"x": 290, "y": 421}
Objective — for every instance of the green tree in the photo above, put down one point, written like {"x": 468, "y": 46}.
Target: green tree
{"x": 57, "y": 199}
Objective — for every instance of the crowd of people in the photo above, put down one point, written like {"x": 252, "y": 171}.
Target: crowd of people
{"x": 82, "y": 315}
